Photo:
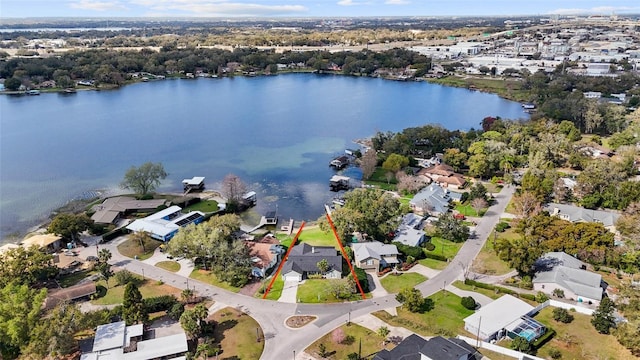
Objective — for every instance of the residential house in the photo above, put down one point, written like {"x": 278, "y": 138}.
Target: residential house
{"x": 410, "y": 231}
{"x": 164, "y": 224}
{"x": 432, "y": 199}
{"x": 71, "y": 293}
{"x": 506, "y": 316}
{"x": 303, "y": 261}
{"x": 196, "y": 183}
{"x": 50, "y": 243}
{"x": 444, "y": 175}
{"x": 265, "y": 255}
{"x": 579, "y": 214}
{"x": 374, "y": 255}
{"x": 415, "y": 347}
{"x": 558, "y": 270}
{"x": 114, "y": 208}
{"x": 117, "y": 341}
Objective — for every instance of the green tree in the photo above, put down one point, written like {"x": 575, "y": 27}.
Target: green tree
{"x": 451, "y": 228}
{"x": 26, "y": 266}
{"x": 370, "y": 211}
{"x": 395, "y": 163}
{"x": 478, "y": 191}
{"x": 602, "y": 319}
{"x": 12, "y": 84}
{"x": 523, "y": 345}
{"x": 454, "y": 158}
{"x": 133, "y": 307}
{"x": 192, "y": 321}
{"x": 323, "y": 266}
{"x": 383, "y": 332}
{"x": 468, "y": 302}
{"x": 69, "y": 226}
{"x": 20, "y": 312}
{"x": 54, "y": 336}
{"x": 562, "y": 315}
{"x": 411, "y": 299}
{"x": 144, "y": 179}
{"x": 627, "y": 335}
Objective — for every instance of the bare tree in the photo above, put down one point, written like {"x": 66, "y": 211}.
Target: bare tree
{"x": 409, "y": 183}
{"x": 368, "y": 163}
{"x": 233, "y": 189}
{"x": 478, "y": 204}
{"x": 526, "y": 205}
{"x": 560, "y": 191}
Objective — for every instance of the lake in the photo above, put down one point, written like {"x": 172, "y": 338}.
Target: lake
{"x": 278, "y": 133}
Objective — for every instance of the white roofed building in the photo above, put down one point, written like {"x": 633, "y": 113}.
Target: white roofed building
{"x": 164, "y": 224}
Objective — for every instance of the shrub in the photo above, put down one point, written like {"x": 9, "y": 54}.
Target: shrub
{"x": 541, "y": 297}
{"x": 160, "y": 303}
{"x": 468, "y": 302}
{"x": 562, "y": 315}
{"x": 176, "y": 311}
{"x": 410, "y": 259}
{"x": 559, "y": 293}
{"x": 502, "y": 226}
{"x": 407, "y": 250}
{"x": 338, "y": 336}
{"x": 429, "y": 246}
{"x": 554, "y": 353}
{"x": 123, "y": 277}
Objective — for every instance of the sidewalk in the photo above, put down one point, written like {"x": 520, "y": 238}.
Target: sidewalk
{"x": 373, "y": 323}
{"x": 481, "y": 299}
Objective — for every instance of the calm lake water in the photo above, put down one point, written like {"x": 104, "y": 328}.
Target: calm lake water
{"x": 277, "y": 133}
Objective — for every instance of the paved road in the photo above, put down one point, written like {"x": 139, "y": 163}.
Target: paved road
{"x": 281, "y": 341}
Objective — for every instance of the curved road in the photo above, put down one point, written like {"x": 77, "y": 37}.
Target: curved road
{"x": 282, "y": 342}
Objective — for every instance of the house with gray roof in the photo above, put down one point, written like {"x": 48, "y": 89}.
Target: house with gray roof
{"x": 164, "y": 224}
{"x": 558, "y": 270}
{"x": 415, "y": 347}
{"x": 433, "y": 199}
{"x": 410, "y": 231}
{"x": 113, "y": 208}
{"x": 303, "y": 261}
{"x": 579, "y": 214}
{"x": 374, "y": 255}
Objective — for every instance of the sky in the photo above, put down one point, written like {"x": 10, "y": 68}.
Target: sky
{"x": 308, "y": 8}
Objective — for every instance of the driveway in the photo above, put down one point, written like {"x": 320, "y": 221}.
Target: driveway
{"x": 378, "y": 290}
{"x": 289, "y": 292}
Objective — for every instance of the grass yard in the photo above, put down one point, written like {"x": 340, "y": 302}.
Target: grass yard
{"x": 445, "y": 247}
{"x": 433, "y": 264}
{"x": 311, "y": 235}
{"x": 206, "y": 206}
{"x": 394, "y": 283}
{"x": 209, "y": 278}
{"x": 74, "y": 278}
{"x": 579, "y": 340}
{"x": 276, "y": 289}
{"x": 405, "y": 200}
{"x": 371, "y": 343}
{"x": 131, "y": 249}
{"x": 467, "y": 210}
{"x": 488, "y": 262}
{"x": 235, "y": 334}
{"x": 489, "y": 293}
{"x": 509, "y": 89}
{"x": 317, "y": 291}
{"x": 444, "y": 319}
{"x": 148, "y": 288}
{"x": 169, "y": 265}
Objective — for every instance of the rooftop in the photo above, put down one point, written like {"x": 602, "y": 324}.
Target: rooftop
{"x": 498, "y": 314}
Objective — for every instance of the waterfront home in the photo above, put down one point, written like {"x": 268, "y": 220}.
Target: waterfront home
{"x": 337, "y": 183}
{"x": 443, "y": 174}
{"x": 49, "y": 243}
{"x": 164, "y": 224}
{"x": 560, "y": 271}
{"x": 303, "y": 261}
{"x": 433, "y": 199}
{"x": 116, "y": 207}
{"x": 196, "y": 183}
{"x": 374, "y": 255}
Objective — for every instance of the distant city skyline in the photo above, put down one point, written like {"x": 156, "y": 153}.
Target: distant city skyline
{"x": 308, "y": 8}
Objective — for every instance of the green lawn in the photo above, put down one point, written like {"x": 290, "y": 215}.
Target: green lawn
{"x": 311, "y": 235}
{"x": 489, "y": 293}
{"x": 132, "y": 249}
{"x": 209, "y": 278}
{"x": 276, "y": 289}
{"x": 467, "y": 210}
{"x": 394, "y": 283}
{"x": 169, "y": 265}
{"x": 74, "y": 278}
{"x": 445, "y": 247}
{"x": 579, "y": 340}
{"x": 446, "y": 318}
{"x": 316, "y": 291}
{"x": 148, "y": 288}
{"x": 236, "y": 333}
{"x": 405, "y": 200}
{"x": 433, "y": 264}
{"x": 488, "y": 262}
{"x": 370, "y": 341}
{"x": 206, "y": 206}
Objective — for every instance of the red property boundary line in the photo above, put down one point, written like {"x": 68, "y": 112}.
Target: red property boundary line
{"x": 344, "y": 255}
{"x": 284, "y": 259}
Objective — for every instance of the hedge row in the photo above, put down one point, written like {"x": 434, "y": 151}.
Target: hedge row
{"x": 500, "y": 289}
{"x": 160, "y": 303}
{"x": 113, "y": 234}
{"x": 548, "y": 335}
